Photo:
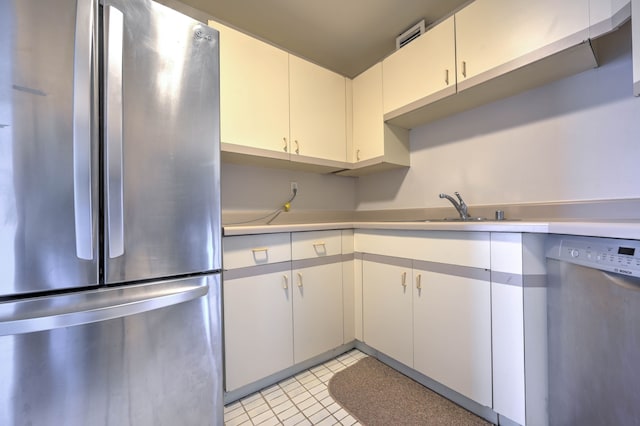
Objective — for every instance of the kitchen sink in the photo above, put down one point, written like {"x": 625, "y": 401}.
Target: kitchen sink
{"x": 457, "y": 219}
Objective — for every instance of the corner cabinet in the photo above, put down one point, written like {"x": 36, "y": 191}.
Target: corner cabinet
{"x": 427, "y": 304}
{"x": 377, "y": 145}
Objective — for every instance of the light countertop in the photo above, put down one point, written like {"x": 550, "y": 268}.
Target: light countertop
{"x": 627, "y": 229}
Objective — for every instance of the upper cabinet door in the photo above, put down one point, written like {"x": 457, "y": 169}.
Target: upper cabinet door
{"x": 318, "y": 111}
{"x": 423, "y": 68}
{"x": 490, "y": 33}
{"x": 368, "y": 127}
{"x": 254, "y": 92}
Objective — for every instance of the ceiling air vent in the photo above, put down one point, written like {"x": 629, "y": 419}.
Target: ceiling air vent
{"x": 409, "y": 35}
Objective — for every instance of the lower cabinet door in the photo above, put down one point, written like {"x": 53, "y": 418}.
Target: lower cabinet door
{"x": 317, "y": 310}
{"x": 387, "y": 307}
{"x": 258, "y": 327}
{"x": 452, "y": 334}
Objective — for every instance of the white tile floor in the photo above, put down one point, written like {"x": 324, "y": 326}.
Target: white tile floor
{"x": 300, "y": 400}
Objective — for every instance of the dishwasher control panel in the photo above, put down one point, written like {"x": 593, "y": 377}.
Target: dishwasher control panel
{"x": 619, "y": 256}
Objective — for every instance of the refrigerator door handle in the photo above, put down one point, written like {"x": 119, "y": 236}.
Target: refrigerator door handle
{"x": 82, "y": 66}
{"x": 68, "y": 310}
{"x": 114, "y": 27}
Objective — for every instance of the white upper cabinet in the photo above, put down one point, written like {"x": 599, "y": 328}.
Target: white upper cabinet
{"x": 367, "y": 114}
{"x": 422, "y": 71}
{"x": 607, "y": 15}
{"x": 318, "y": 111}
{"x": 376, "y": 145}
{"x": 254, "y": 92}
{"x": 490, "y": 33}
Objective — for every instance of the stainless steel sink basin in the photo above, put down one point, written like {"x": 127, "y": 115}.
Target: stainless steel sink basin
{"x": 457, "y": 219}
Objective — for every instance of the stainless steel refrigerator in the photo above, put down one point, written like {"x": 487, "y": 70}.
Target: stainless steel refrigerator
{"x": 109, "y": 215}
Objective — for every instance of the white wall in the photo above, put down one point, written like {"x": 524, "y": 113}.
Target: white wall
{"x": 575, "y": 139}
{"x": 256, "y": 188}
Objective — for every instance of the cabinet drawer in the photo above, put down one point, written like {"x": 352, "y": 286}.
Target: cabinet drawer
{"x": 251, "y": 250}
{"x": 309, "y": 245}
{"x": 451, "y": 247}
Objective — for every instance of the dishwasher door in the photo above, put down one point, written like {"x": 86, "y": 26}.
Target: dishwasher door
{"x": 593, "y": 332}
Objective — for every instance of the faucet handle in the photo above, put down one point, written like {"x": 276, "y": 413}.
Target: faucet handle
{"x": 457, "y": 194}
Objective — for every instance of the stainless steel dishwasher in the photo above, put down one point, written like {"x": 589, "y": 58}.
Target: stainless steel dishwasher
{"x": 593, "y": 303}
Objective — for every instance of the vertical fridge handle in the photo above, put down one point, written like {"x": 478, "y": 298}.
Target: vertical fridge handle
{"x": 114, "y": 27}
{"x": 82, "y": 67}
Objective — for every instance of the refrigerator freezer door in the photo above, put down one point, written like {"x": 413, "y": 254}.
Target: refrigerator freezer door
{"x": 147, "y": 354}
{"x": 48, "y": 224}
{"x": 161, "y": 143}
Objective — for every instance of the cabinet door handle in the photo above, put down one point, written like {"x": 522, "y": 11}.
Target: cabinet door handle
{"x": 285, "y": 147}
{"x": 464, "y": 69}
{"x": 446, "y": 77}
{"x": 319, "y": 243}
{"x": 358, "y": 155}
{"x": 259, "y": 249}
{"x": 285, "y": 282}
{"x": 419, "y": 282}
{"x": 297, "y": 147}
{"x": 404, "y": 279}
{"x": 299, "y": 280}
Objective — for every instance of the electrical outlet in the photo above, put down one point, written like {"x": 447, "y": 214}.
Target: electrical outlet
{"x": 294, "y": 186}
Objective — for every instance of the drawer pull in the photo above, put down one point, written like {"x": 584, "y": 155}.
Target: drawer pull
{"x": 299, "y": 280}
{"x": 260, "y": 254}
{"x": 285, "y": 282}
{"x": 320, "y": 248}
{"x": 404, "y": 279}
{"x": 419, "y": 282}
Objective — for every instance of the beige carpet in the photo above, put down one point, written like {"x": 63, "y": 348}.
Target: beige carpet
{"x": 376, "y": 394}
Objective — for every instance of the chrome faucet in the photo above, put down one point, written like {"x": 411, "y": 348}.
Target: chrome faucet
{"x": 460, "y": 206}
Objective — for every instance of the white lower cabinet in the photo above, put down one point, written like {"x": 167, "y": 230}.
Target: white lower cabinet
{"x": 317, "y": 297}
{"x": 519, "y": 327}
{"x": 387, "y": 306}
{"x": 430, "y": 309}
{"x": 257, "y": 320}
{"x": 317, "y": 310}
{"x": 282, "y": 301}
{"x": 452, "y": 332}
